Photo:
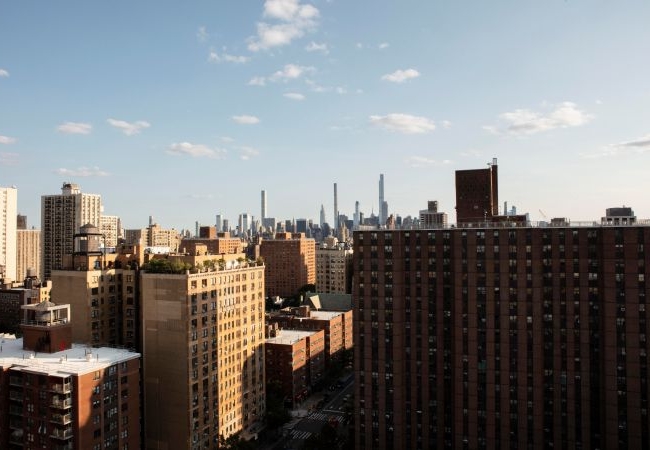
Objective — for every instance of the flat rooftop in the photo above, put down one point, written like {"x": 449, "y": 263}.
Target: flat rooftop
{"x": 324, "y": 315}
{"x": 290, "y": 337}
{"x": 79, "y": 360}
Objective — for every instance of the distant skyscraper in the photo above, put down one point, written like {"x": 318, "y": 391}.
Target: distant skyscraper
{"x": 219, "y": 222}
{"x": 61, "y": 217}
{"x": 356, "y": 214}
{"x": 8, "y": 225}
{"x": 244, "y": 224}
{"x": 263, "y": 205}
{"x": 322, "y": 216}
{"x": 336, "y": 208}
{"x": 382, "y": 218}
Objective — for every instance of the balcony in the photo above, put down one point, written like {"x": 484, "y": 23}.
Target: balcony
{"x": 61, "y": 403}
{"x": 16, "y": 410}
{"x": 61, "y": 419}
{"x": 62, "y": 434}
{"x": 64, "y": 388}
{"x": 15, "y": 381}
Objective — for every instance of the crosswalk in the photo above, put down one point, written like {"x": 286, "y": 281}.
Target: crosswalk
{"x": 324, "y": 417}
{"x": 298, "y": 434}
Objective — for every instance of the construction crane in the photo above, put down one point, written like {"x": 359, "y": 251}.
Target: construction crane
{"x": 542, "y": 213}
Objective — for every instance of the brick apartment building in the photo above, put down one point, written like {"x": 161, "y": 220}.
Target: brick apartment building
{"x": 290, "y": 261}
{"x": 59, "y": 396}
{"x": 295, "y": 360}
{"x": 495, "y": 337}
{"x": 337, "y": 326}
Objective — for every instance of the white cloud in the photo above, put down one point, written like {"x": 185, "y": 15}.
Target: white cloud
{"x": 75, "y": 128}
{"x": 358, "y": 45}
{"x": 423, "y": 161}
{"x": 314, "y": 47}
{"x": 400, "y": 76}
{"x": 202, "y": 34}
{"x": 129, "y": 128}
{"x": 246, "y": 120}
{"x": 291, "y": 72}
{"x": 247, "y": 153}
{"x": 8, "y": 158}
{"x": 82, "y": 172}
{"x": 227, "y": 139}
{"x": 257, "y": 81}
{"x": 636, "y": 146}
{"x": 525, "y": 121}
{"x": 295, "y": 20}
{"x": 445, "y": 124}
{"x": 383, "y": 45}
{"x": 3, "y": 73}
{"x": 7, "y": 140}
{"x": 294, "y": 96}
{"x": 404, "y": 123}
{"x": 195, "y": 150}
{"x": 225, "y": 57}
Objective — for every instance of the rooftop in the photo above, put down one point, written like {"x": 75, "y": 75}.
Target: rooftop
{"x": 324, "y": 315}
{"x": 78, "y": 360}
{"x": 289, "y": 337}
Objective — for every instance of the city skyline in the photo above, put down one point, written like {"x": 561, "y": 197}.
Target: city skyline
{"x": 195, "y": 110}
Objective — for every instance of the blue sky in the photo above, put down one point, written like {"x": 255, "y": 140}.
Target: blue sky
{"x": 183, "y": 110}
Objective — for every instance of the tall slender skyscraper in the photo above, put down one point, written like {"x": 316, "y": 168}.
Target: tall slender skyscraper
{"x": 8, "y": 224}
{"x": 336, "y": 209}
{"x": 383, "y": 206}
{"x": 356, "y": 214}
{"x": 263, "y": 205}
{"x": 61, "y": 217}
{"x": 219, "y": 223}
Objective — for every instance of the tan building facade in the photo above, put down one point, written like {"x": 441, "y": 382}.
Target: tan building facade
{"x": 28, "y": 253}
{"x": 333, "y": 268}
{"x": 8, "y": 226}
{"x": 290, "y": 261}
{"x": 204, "y": 340}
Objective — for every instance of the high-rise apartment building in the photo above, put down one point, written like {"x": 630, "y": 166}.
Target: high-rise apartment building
{"x": 290, "y": 263}
{"x": 333, "y": 267}
{"x": 502, "y": 337}
{"x": 57, "y": 396}
{"x": 61, "y": 217}
{"x": 28, "y": 253}
{"x": 8, "y": 225}
{"x": 477, "y": 194}
{"x": 111, "y": 229}
{"x": 204, "y": 342}
{"x": 154, "y": 236}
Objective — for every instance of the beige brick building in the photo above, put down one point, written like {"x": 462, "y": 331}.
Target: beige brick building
{"x": 333, "y": 267}
{"x": 204, "y": 340}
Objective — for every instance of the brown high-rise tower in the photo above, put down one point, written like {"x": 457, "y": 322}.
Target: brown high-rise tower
{"x": 477, "y": 194}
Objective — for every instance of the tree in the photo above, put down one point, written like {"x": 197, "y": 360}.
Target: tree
{"x": 235, "y": 442}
